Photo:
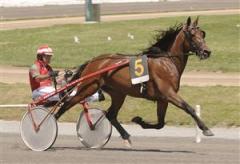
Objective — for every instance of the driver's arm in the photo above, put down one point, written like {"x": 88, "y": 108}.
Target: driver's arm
{"x": 36, "y": 74}
{"x": 42, "y": 77}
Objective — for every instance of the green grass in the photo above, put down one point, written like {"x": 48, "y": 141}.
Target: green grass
{"x": 18, "y": 47}
{"x": 220, "y": 106}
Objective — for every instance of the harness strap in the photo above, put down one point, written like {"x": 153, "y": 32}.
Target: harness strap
{"x": 143, "y": 89}
{"x": 193, "y": 46}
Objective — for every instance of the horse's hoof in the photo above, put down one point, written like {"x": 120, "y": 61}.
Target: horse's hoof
{"x": 127, "y": 143}
{"x": 137, "y": 120}
{"x": 208, "y": 133}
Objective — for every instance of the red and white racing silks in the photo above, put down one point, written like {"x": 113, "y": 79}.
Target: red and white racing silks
{"x": 39, "y": 68}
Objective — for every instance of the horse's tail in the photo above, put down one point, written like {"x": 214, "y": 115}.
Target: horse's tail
{"x": 77, "y": 74}
{"x": 79, "y": 71}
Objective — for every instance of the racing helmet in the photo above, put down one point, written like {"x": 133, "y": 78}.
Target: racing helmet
{"x": 44, "y": 50}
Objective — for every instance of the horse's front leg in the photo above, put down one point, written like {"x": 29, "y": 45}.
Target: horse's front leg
{"x": 161, "y": 112}
{"x": 179, "y": 102}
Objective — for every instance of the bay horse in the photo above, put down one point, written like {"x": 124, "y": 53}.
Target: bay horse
{"x": 167, "y": 58}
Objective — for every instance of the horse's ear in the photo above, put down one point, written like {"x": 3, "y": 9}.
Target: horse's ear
{"x": 188, "y": 21}
{"x": 195, "y": 23}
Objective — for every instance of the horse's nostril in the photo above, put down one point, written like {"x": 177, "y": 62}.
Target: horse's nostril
{"x": 207, "y": 52}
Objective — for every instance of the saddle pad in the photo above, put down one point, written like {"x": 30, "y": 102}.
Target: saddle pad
{"x": 138, "y": 69}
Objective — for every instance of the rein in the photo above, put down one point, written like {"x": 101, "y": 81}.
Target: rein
{"x": 168, "y": 55}
{"x": 193, "y": 45}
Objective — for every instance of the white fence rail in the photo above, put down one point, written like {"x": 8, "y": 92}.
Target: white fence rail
{"x": 13, "y": 105}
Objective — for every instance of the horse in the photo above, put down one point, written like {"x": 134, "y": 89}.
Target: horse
{"x": 166, "y": 59}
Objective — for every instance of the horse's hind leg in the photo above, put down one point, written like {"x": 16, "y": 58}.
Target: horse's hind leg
{"x": 179, "y": 102}
{"x": 161, "y": 112}
{"x": 83, "y": 92}
{"x": 117, "y": 101}
{"x": 67, "y": 105}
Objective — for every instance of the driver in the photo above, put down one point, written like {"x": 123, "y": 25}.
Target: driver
{"x": 41, "y": 76}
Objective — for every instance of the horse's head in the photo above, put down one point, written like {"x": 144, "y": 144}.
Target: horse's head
{"x": 194, "y": 39}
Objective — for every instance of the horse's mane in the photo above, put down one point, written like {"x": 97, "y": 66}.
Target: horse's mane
{"x": 163, "y": 41}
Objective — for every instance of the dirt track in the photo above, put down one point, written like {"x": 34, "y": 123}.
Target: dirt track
{"x": 151, "y": 150}
{"x": 20, "y": 75}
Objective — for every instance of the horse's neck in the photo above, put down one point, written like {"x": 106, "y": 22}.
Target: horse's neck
{"x": 177, "y": 50}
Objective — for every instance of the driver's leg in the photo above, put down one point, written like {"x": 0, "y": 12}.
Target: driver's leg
{"x": 43, "y": 91}
{"x": 97, "y": 96}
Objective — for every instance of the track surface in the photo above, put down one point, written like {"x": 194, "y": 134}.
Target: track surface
{"x": 151, "y": 150}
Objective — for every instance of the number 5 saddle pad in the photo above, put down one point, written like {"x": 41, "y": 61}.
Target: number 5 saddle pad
{"x": 138, "y": 69}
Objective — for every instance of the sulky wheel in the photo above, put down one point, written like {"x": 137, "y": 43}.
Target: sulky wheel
{"x": 45, "y": 137}
{"x": 100, "y": 134}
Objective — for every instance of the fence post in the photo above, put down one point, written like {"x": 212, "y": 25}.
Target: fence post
{"x": 92, "y": 11}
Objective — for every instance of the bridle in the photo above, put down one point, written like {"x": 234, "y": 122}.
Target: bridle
{"x": 193, "y": 45}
